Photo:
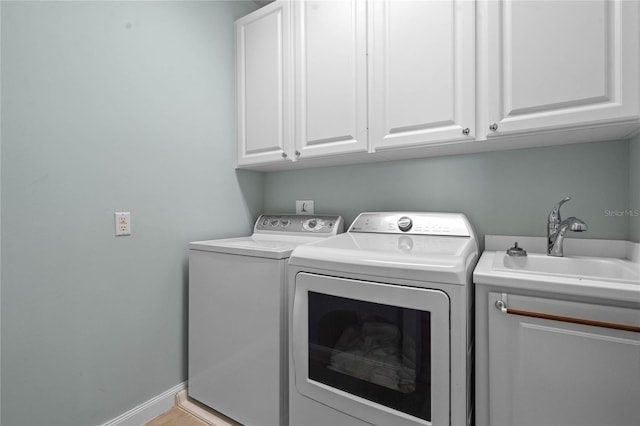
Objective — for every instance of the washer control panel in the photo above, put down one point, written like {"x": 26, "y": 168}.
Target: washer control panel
{"x": 299, "y": 224}
{"x": 450, "y": 224}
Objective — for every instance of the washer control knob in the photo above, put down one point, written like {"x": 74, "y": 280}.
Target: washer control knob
{"x": 313, "y": 225}
{"x": 274, "y": 222}
{"x": 405, "y": 223}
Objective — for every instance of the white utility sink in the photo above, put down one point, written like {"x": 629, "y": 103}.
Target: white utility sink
{"x": 579, "y": 267}
{"x": 601, "y": 269}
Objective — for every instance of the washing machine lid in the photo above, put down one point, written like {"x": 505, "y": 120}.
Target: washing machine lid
{"x": 271, "y": 247}
{"x": 387, "y": 251}
{"x": 275, "y": 236}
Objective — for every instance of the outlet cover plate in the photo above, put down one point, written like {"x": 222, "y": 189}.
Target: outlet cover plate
{"x": 122, "y": 223}
{"x": 304, "y": 206}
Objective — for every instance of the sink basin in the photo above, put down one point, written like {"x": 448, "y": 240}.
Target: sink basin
{"x": 578, "y": 267}
{"x": 607, "y": 270}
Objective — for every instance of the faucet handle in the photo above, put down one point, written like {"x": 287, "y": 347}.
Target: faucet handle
{"x": 554, "y": 214}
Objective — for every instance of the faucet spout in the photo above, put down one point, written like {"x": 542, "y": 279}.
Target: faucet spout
{"x": 557, "y": 228}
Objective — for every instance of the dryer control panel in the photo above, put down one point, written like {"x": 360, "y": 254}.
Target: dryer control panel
{"x": 449, "y": 224}
{"x": 299, "y": 224}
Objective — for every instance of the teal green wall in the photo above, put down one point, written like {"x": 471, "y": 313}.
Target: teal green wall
{"x": 506, "y": 192}
{"x": 634, "y": 189}
{"x": 110, "y": 106}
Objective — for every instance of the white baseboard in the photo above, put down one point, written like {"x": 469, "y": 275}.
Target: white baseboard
{"x": 151, "y": 409}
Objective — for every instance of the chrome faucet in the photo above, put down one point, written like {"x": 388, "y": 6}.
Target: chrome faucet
{"x": 557, "y": 228}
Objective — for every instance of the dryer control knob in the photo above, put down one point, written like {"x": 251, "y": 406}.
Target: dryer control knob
{"x": 405, "y": 223}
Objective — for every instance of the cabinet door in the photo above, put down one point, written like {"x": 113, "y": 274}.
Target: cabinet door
{"x": 422, "y": 72}
{"x": 330, "y": 77}
{"x": 560, "y": 64}
{"x": 548, "y": 372}
{"x": 263, "y": 67}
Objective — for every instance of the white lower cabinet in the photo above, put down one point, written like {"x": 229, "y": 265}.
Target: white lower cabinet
{"x": 545, "y": 367}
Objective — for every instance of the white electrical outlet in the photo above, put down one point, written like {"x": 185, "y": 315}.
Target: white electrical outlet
{"x": 304, "y": 206}
{"x": 122, "y": 223}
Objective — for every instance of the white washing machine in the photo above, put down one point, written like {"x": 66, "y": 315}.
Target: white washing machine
{"x": 237, "y": 317}
{"x": 380, "y": 323}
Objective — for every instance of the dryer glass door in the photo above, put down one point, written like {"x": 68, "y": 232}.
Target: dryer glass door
{"x": 379, "y": 352}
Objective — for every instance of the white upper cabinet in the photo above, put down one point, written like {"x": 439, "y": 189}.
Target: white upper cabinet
{"x": 553, "y": 65}
{"x": 330, "y": 77}
{"x": 422, "y": 72}
{"x": 391, "y": 79}
{"x": 263, "y": 69}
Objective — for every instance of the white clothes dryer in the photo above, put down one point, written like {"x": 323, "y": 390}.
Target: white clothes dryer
{"x": 237, "y": 317}
{"x": 381, "y": 323}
